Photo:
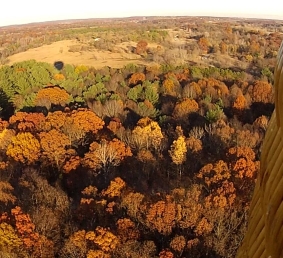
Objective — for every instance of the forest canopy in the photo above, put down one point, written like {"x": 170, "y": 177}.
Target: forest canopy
{"x": 139, "y": 161}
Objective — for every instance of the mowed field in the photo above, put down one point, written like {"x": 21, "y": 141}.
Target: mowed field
{"x": 59, "y": 51}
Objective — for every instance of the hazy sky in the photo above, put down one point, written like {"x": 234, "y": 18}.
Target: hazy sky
{"x": 26, "y": 11}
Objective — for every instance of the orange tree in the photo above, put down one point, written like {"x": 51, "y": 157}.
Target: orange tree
{"x": 54, "y": 145}
{"x": 24, "y": 147}
{"x": 106, "y": 154}
{"x": 52, "y": 95}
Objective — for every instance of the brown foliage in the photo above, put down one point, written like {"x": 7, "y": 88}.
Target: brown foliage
{"x": 141, "y": 47}
{"x": 6, "y": 195}
{"x": 145, "y": 156}
{"x": 3, "y": 124}
{"x": 6, "y": 137}
{"x": 114, "y": 125}
{"x": 223, "y": 47}
{"x": 189, "y": 207}
{"x": 247, "y": 138}
{"x": 44, "y": 248}
{"x": 127, "y": 230}
{"x": 192, "y": 91}
{"x": 192, "y": 242}
{"x": 194, "y": 144}
{"x": 75, "y": 246}
{"x": 203, "y": 44}
{"x": 261, "y": 122}
{"x": 136, "y": 249}
{"x": 133, "y": 204}
{"x": 223, "y": 130}
{"x": 219, "y": 88}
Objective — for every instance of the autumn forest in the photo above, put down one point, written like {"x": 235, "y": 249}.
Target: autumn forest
{"x": 155, "y": 156}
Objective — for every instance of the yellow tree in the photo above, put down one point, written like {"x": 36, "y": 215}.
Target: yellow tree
{"x": 147, "y": 134}
{"x": 24, "y": 147}
{"x": 103, "y": 238}
{"x": 178, "y": 151}
{"x": 9, "y": 240}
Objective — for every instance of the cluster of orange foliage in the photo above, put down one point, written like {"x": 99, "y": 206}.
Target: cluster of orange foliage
{"x": 52, "y": 95}
{"x": 27, "y": 121}
{"x": 24, "y": 147}
{"x": 74, "y": 149}
{"x": 161, "y": 216}
{"x": 262, "y": 91}
{"x": 25, "y": 228}
{"x": 184, "y": 108}
{"x": 137, "y": 78}
{"x": 244, "y": 164}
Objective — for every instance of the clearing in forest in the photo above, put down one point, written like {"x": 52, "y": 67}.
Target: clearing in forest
{"x": 72, "y": 52}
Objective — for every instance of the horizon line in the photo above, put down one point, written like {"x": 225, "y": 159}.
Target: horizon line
{"x": 257, "y": 17}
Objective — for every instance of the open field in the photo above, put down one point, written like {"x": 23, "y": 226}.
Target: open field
{"x": 60, "y": 50}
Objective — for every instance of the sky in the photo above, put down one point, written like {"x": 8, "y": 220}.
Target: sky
{"x": 26, "y": 11}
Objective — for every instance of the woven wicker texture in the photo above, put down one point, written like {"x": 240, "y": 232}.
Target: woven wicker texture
{"x": 264, "y": 237}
